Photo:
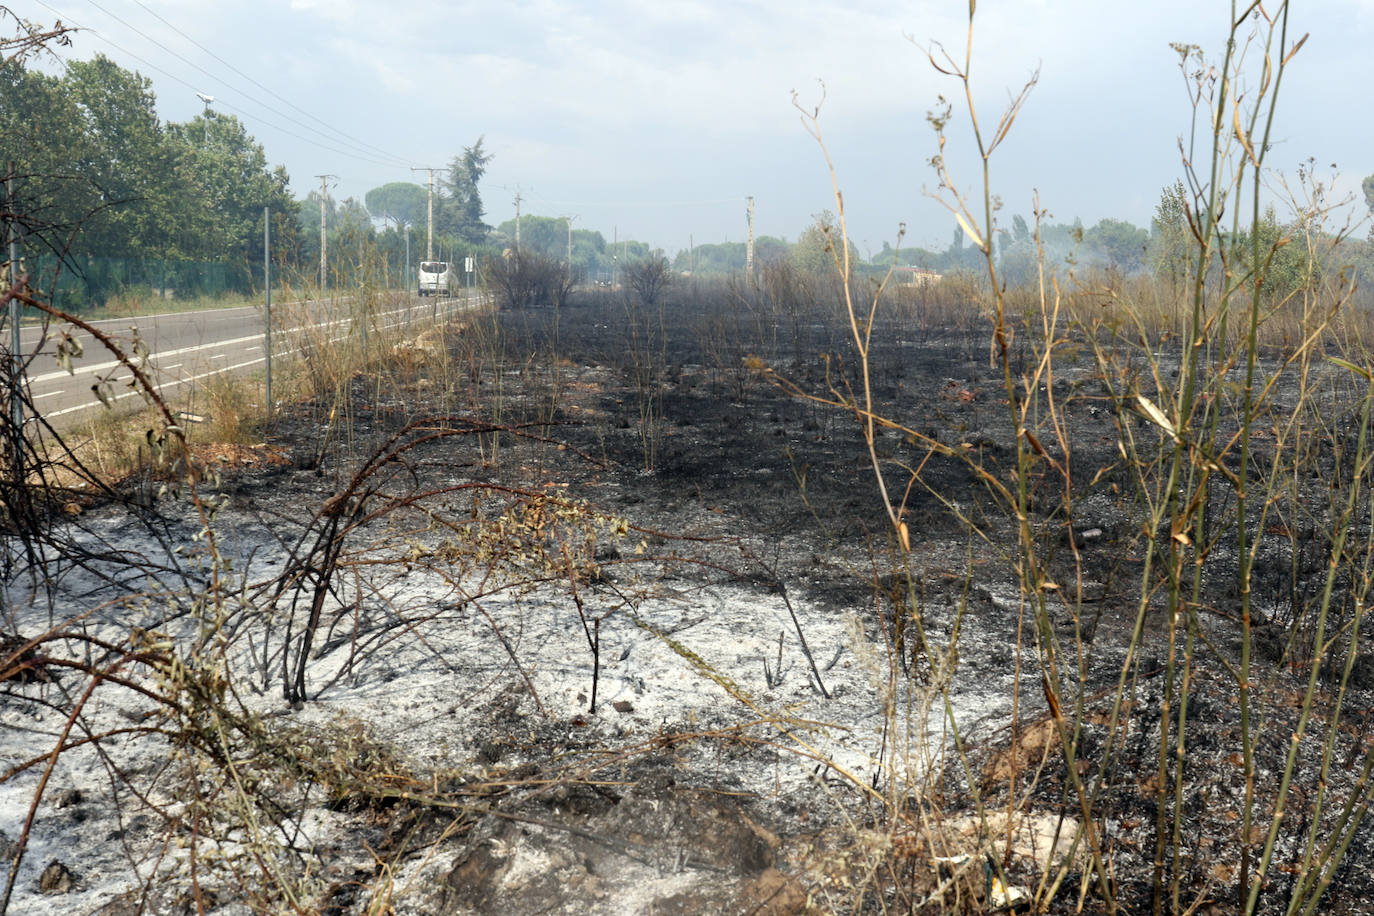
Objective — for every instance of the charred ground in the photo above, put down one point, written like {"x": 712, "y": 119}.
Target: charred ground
{"x": 684, "y": 418}
{"x": 678, "y": 411}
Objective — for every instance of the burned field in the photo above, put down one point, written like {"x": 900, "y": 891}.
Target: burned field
{"x": 600, "y": 609}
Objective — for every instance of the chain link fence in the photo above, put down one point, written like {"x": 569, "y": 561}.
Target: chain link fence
{"x": 85, "y": 282}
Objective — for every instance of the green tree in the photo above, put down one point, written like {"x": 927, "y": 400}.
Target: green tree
{"x": 354, "y": 245}
{"x": 402, "y": 201}
{"x": 307, "y": 247}
{"x": 1120, "y": 243}
{"x": 40, "y": 132}
{"x": 543, "y": 234}
{"x": 125, "y": 160}
{"x": 815, "y": 253}
{"x": 960, "y": 257}
{"x": 1020, "y": 232}
{"x": 1282, "y": 258}
{"x": 224, "y": 182}
{"x": 589, "y": 257}
{"x": 1170, "y": 237}
{"x": 1368, "y": 187}
{"x": 1019, "y": 264}
{"x": 95, "y": 160}
{"x": 769, "y": 249}
{"x": 904, "y": 257}
{"x": 462, "y": 210}
{"x": 308, "y": 213}
{"x": 720, "y": 258}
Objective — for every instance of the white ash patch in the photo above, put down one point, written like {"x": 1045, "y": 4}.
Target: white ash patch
{"x": 694, "y": 659}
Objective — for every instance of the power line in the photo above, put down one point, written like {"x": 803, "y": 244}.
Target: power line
{"x": 694, "y": 202}
{"x": 258, "y": 118}
{"x": 222, "y": 82}
{"x": 361, "y": 143}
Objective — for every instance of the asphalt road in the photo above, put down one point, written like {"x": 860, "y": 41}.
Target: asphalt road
{"x": 187, "y": 347}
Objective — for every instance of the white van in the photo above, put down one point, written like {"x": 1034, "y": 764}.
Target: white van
{"x": 436, "y": 278}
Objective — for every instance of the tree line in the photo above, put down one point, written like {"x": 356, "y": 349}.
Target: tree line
{"x": 100, "y": 176}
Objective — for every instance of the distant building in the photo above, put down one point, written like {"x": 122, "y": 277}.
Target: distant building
{"x": 915, "y": 276}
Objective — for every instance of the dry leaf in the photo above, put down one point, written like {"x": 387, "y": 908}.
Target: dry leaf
{"x": 1157, "y": 416}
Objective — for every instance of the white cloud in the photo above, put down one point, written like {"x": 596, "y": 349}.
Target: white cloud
{"x": 337, "y": 11}
{"x": 579, "y": 98}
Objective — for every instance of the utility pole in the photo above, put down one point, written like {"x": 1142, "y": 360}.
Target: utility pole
{"x": 267, "y": 300}
{"x": 570, "y": 222}
{"x": 429, "y": 245}
{"x": 749, "y": 246}
{"x": 11, "y": 280}
{"x": 208, "y": 100}
{"x": 517, "y": 222}
{"x": 324, "y": 235}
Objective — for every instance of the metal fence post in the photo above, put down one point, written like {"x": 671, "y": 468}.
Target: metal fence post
{"x": 267, "y": 299}
{"x": 16, "y": 379}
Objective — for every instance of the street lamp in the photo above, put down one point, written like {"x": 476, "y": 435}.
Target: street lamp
{"x": 208, "y": 100}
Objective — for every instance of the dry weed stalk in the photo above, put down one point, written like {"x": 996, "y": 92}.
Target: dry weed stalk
{"x": 233, "y": 784}
{"x": 1214, "y": 450}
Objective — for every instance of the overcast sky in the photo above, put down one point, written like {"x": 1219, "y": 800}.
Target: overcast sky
{"x": 657, "y": 118}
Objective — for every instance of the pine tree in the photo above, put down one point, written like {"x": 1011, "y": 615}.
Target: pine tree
{"x": 463, "y": 208}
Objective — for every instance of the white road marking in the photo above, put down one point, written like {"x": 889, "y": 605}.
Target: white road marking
{"x": 451, "y": 306}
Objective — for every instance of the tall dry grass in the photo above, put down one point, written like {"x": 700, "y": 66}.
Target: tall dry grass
{"x": 1231, "y": 390}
